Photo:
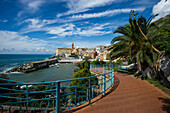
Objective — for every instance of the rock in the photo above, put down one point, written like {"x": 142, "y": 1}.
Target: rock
{"x": 165, "y": 68}
{"x": 149, "y": 72}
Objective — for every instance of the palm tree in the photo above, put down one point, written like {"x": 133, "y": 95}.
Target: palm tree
{"x": 133, "y": 44}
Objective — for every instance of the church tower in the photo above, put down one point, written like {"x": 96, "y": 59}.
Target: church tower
{"x": 72, "y": 47}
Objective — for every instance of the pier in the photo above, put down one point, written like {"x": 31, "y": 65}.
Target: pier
{"x": 32, "y": 66}
{"x": 70, "y": 60}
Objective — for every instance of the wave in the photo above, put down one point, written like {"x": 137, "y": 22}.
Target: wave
{"x": 5, "y": 72}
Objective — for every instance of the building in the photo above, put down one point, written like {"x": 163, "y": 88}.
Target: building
{"x": 100, "y": 52}
{"x": 72, "y": 47}
{"x": 63, "y": 51}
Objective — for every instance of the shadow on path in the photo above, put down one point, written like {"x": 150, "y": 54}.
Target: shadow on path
{"x": 116, "y": 84}
{"x": 166, "y": 105}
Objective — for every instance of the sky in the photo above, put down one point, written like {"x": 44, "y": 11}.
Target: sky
{"x": 41, "y": 26}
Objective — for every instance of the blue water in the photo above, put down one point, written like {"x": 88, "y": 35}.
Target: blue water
{"x": 12, "y": 60}
{"x": 7, "y": 61}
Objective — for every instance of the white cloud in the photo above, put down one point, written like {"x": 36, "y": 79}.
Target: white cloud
{"x": 88, "y": 44}
{"x": 34, "y": 23}
{"x": 66, "y": 29}
{"x": 14, "y": 43}
{"x": 162, "y": 8}
{"x": 71, "y": 29}
{"x": 30, "y": 6}
{"x": 106, "y": 13}
{"x": 77, "y": 6}
{"x": 3, "y": 20}
{"x": 54, "y": 37}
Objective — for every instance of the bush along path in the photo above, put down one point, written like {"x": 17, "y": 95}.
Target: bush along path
{"x": 131, "y": 96}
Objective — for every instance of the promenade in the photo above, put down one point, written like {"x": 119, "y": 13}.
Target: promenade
{"x": 131, "y": 95}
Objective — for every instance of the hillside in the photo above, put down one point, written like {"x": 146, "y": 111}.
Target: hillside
{"x": 161, "y": 34}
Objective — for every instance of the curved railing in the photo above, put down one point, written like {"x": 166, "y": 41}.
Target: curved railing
{"x": 55, "y": 96}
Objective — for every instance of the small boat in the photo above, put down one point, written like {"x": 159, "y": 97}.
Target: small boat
{"x": 51, "y": 65}
{"x": 56, "y": 64}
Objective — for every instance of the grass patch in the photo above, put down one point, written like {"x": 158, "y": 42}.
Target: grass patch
{"x": 157, "y": 83}
{"x": 138, "y": 76}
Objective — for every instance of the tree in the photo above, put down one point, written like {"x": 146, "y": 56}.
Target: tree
{"x": 82, "y": 84}
{"x": 97, "y": 62}
{"x": 133, "y": 43}
{"x": 74, "y": 55}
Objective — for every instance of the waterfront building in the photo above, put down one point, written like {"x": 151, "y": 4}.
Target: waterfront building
{"x": 100, "y": 49}
{"x": 63, "y": 51}
{"x": 100, "y": 52}
{"x": 90, "y": 50}
{"x": 94, "y": 55}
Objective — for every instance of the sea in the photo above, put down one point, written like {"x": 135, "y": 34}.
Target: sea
{"x": 8, "y": 61}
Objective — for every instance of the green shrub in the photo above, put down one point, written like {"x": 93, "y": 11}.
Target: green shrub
{"x": 82, "y": 84}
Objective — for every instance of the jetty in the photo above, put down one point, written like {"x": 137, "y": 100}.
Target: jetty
{"x": 32, "y": 66}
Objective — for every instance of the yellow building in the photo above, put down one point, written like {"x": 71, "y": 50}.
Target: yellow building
{"x": 63, "y": 51}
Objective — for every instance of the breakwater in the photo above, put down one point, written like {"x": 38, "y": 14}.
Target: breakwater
{"x": 32, "y": 66}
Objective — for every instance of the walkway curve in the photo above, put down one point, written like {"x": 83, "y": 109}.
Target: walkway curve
{"x": 131, "y": 96}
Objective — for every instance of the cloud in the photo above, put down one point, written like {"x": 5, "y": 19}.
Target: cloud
{"x": 34, "y": 23}
{"x": 77, "y": 6}
{"x": 88, "y": 44}
{"x": 106, "y": 13}
{"x": 162, "y": 8}
{"x": 71, "y": 29}
{"x": 30, "y": 6}
{"x": 12, "y": 42}
{"x": 54, "y": 37}
{"x": 3, "y": 21}
{"x": 65, "y": 29}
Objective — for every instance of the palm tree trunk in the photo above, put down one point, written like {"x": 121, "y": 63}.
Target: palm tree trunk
{"x": 155, "y": 49}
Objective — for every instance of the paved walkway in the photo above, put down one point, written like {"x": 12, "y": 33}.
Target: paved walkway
{"x": 131, "y": 96}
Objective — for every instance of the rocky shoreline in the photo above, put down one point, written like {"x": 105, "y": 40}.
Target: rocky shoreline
{"x": 32, "y": 66}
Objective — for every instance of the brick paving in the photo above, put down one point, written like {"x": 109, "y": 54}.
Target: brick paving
{"x": 130, "y": 96}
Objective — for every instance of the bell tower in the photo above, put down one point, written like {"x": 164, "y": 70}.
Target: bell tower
{"x": 72, "y": 47}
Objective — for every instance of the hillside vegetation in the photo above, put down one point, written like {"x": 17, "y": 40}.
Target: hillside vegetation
{"x": 145, "y": 43}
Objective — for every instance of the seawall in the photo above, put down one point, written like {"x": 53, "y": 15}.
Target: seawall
{"x": 32, "y": 66}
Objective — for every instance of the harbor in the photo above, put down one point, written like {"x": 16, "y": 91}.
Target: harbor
{"x": 65, "y": 71}
{"x": 33, "y": 66}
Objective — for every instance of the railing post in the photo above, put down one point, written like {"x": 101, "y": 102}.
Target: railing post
{"x": 89, "y": 90}
{"x": 57, "y": 97}
{"x": 87, "y": 97}
{"x": 92, "y": 91}
{"x": 107, "y": 69}
{"x": 103, "y": 69}
{"x": 104, "y": 84}
{"x": 95, "y": 67}
{"x": 27, "y": 98}
{"x": 75, "y": 95}
{"x": 99, "y": 68}
{"x": 113, "y": 76}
